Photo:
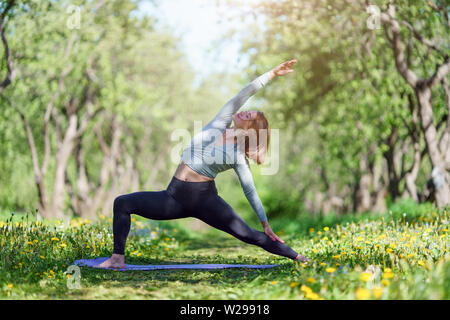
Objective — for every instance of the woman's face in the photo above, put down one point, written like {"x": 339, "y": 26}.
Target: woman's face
{"x": 243, "y": 118}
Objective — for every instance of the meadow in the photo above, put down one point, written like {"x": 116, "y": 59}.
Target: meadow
{"x": 396, "y": 255}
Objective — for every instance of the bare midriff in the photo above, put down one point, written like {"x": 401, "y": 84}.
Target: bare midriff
{"x": 185, "y": 173}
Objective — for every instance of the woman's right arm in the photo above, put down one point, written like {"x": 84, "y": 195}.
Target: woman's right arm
{"x": 224, "y": 117}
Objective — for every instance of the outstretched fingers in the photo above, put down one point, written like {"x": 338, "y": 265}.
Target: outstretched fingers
{"x": 274, "y": 237}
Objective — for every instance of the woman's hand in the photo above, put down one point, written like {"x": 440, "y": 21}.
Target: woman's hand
{"x": 268, "y": 231}
{"x": 283, "y": 68}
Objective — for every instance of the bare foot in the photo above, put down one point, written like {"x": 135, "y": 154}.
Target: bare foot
{"x": 302, "y": 258}
{"x": 117, "y": 261}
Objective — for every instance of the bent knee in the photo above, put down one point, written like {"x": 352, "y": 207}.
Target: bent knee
{"x": 120, "y": 204}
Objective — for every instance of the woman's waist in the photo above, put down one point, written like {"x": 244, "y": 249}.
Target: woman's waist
{"x": 191, "y": 191}
{"x": 187, "y": 174}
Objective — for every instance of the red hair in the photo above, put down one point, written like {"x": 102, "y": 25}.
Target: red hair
{"x": 258, "y": 137}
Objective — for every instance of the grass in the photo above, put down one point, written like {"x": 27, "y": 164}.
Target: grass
{"x": 398, "y": 255}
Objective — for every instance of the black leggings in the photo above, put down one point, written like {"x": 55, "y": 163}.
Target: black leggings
{"x": 184, "y": 199}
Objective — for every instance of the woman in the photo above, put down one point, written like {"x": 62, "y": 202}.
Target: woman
{"x": 192, "y": 191}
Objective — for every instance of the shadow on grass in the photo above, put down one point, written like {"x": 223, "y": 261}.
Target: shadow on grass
{"x": 213, "y": 242}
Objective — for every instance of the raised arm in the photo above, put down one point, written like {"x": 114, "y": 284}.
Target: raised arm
{"x": 224, "y": 117}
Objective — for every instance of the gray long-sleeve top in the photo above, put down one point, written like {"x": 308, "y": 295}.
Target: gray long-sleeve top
{"x": 208, "y": 159}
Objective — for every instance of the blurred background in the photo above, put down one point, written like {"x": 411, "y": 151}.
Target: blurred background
{"x": 90, "y": 92}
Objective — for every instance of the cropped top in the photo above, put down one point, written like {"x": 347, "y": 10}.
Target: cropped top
{"x": 208, "y": 159}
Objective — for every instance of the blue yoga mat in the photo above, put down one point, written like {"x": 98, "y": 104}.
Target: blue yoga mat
{"x": 93, "y": 262}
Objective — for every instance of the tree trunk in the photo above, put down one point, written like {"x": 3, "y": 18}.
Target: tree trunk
{"x": 423, "y": 94}
{"x": 62, "y": 157}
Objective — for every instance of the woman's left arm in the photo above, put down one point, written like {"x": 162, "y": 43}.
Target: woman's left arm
{"x": 246, "y": 180}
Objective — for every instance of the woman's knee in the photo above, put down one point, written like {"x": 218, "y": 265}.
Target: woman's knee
{"x": 252, "y": 236}
{"x": 120, "y": 205}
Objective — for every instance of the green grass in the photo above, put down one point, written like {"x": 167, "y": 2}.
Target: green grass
{"x": 404, "y": 256}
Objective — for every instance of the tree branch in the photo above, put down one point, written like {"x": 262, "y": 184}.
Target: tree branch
{"x": 11, "y": 72}
{"x": 441, "y": 72}
{"x": 402, "y": 66}
{"x": 430, "y": 44}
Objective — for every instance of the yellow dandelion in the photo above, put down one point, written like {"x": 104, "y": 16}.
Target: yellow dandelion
{"x": 54, "y": 239}
{"x": 377, "y": 292}
{"x": 389, "y": 250}
{"x": 10, "y": 285}
{"x": 311, "y": 280}
{"x": 274, "y": 282}
{"x": 366, "y": 276}
{"x": 330, "y": 270}
{"x": 294, "y": 284}
{"x": 362, "y": 294}
{"x": 312, "y": 295}
{"x": 326, "y": 229}
{"x": 385, "y": 282}
{"x": 305, "y": 289}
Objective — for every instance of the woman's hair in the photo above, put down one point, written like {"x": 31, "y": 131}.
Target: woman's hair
{"x": 256, "y": 138}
